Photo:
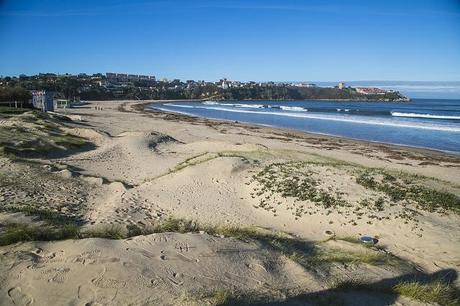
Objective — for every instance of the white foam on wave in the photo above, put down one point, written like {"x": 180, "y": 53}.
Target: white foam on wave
{"x": 351, "y": 119}
{"x": 241, "y": 105}
{"x": 293, "y": 108}
{"x": 179, "y": 105}
{"x": 210, "y": 103}
{"x": 247, "y": 105}
{"x": 176, "y": 111}
{"x": 426, "y": 116}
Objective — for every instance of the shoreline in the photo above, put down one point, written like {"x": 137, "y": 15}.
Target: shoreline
{"x": 299, "y": 133}
{"x": 248, "y": 100}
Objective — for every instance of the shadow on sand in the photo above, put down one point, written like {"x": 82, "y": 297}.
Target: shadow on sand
{"x": 380, "y": 293}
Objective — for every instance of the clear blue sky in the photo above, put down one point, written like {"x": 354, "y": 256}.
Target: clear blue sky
{"x": 241, "y": 39}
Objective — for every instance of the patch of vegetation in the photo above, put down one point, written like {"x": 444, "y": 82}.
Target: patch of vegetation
{"x": 305, "y": 253}
{"x": 52, "y": 217}
{"x": 435, "y": 292}
{"x": 175, "y": 225}
{"x": 12, "y": 110}
{"x": 17, "y": 232}
{"x": 372, "y": 258}
{"x": 26, "y": 187}
{"x": 220, "y": 297}
{"x": 313, "y": 188}
{"x": 36, "y": 134}
{"x": 408, "y": 189}
{"x": 366, "y": 180}
{"x": 298, "y": 181}
{"x": 309, "y": 255}
{"x": 432, "y": 291}
{"x": 104, "y": 231}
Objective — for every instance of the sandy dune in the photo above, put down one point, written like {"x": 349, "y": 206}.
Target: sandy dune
{"x": 148, "y": 166}
{"x": 156, "y": 269}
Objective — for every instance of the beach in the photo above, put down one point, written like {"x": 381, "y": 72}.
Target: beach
{"x": 422, "y": 123}
{"x": 145, "y": 166}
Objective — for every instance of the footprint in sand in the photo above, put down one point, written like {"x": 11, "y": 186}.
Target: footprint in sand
{"x": 18, "y": 297}
{"x": 58, "y": 275}
{"x": 85, "y": 293}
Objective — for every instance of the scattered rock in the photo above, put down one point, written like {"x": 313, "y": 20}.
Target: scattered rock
{"x": 93, "y": 180}
{"x": 64, "y": 173}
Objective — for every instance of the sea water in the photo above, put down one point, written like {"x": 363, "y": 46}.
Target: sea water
{"x": 424, "y": 123}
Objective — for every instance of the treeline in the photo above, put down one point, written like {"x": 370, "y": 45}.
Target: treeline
{"x": 133, "y": 93}
{"x": 14, "y": 93}
{"x": 96, "y": 87}
{"x": 64, "y": 87}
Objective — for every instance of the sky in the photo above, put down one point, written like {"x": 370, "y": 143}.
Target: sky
{"x": 260, "y": 40}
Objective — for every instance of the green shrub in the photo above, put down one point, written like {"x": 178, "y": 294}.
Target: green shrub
{"x": 16, "y": 232}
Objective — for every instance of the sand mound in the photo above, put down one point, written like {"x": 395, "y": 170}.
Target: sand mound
{"x": 90, "y": 134}
{"x": 129, "y": 156}
{"x": 155, "y": 139}
{"x": 74, "y": 117}
{"x": 150, "y": 140}
{"x": 155, "y": 269}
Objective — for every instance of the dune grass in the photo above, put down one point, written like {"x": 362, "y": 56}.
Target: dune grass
{"x": 11, "y": 233}
{"x": 309, "y": 255}
{"x": 220, "y": 297}
{"x": 372, "y": 258}
{"x": 17, "y": 232}
{"x": 35, "y": 133}
{"x": 295, "y": 180}
{"x": 305, "y": 253}
{"x": 407, "y": 187}
{"x": 106, "y": 231}
{"x": 435, "y": 292}
{"x": 12, "y": 110}
{"x": 52, "y": 217}
{"x": 312, "y": 191}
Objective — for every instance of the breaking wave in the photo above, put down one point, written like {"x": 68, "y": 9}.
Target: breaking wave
{"x": 351, "y": 119}
{"x": 293, "y": 108}
{"x": 426, "y": 116}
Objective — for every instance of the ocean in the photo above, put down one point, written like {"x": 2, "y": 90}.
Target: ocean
{"x": 423, "y": 123}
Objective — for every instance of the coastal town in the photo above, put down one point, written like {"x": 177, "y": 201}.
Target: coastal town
{"x": 118, "y": 86}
